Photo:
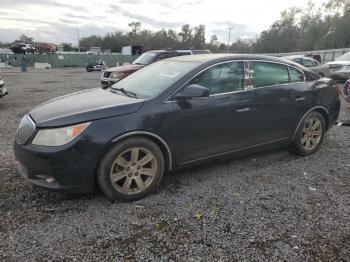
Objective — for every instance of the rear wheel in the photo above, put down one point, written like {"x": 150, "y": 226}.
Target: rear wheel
{"x": 131, "y": 169}
{"x": 309, "y": 136}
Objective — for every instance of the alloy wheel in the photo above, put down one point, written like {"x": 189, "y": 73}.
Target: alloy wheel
{"x": 133, "y": 171}
{"x": 312, "y": 134}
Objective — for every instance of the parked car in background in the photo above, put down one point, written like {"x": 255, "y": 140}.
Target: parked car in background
{"x": 175, "y": 113}
{"x": 97, "y": 66}
{"x": 22, "y": 48}
{"x": 317, "y": 57}
{"x": 3, "y": 90}
{"x": 193, "y": 52}
{"x": 340, "y": 68}
{"x": 314, "y": 65}
{"x": 114, "y": 74}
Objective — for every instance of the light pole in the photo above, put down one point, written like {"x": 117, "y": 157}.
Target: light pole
{"x": 229, "y": 37}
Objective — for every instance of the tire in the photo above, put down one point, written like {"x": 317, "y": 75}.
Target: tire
{"x": 309, "y": 136}
{"x": 131, "y": 169}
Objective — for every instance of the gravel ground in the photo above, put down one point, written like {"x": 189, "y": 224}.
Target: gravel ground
{"x": 272, "y": 206}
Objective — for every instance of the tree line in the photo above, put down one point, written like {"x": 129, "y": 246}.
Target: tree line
{"x": 326, "y": 27}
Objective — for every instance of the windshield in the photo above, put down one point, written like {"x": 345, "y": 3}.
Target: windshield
{"x": 345, "y": 57}
{"x": 152, "y": 80}
{"x": 145, "y": 59}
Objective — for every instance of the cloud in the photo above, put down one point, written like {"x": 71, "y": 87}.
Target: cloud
{"x": 51, "y": 3}
{"x": 178, "y": 4}
{"x": 132, "y": 2}
{"x": 239, "y": 31}
{"x": 144, "y": 19}
{"x": 28, "y": 20}
{"x": 61, "y": 18}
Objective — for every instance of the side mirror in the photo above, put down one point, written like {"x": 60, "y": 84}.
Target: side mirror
{"x": 193, "y": 92}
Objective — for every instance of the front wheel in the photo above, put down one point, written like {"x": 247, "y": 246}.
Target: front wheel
{"x": 131, "y": 169}
{"x": 309, "y": 136}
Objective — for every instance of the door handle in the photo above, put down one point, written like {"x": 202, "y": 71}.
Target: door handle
{"x": 300, "y": 99}
{"x": 241, "y": 110}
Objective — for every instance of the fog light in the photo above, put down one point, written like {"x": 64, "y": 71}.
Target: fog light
{"x": 48, "y": 179}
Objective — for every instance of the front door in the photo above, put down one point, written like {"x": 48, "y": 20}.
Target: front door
{"x": 217, "y": 125}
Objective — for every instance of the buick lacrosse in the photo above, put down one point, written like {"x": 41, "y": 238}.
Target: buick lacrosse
{"x": 171, "y": 114}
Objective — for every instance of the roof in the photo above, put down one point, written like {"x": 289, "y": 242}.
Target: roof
{"x": 295, "y": 56}
{"x": 224, "y": 57}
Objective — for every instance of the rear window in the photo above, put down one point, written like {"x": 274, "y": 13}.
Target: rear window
{"x": 183, "y": 53}
{"x": 269, "y": 74}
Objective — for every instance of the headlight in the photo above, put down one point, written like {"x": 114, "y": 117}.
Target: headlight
{"x": 117, "y": 75}
{"x": 347, "y": 68}
{"x": 58, "y": 136}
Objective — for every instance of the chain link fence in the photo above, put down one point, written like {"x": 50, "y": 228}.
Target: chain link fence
{"x": 64, "y": 60}
{"x": 326, "y": 55}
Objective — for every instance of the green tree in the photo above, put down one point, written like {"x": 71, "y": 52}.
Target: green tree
{"x": 25, "y": 39}
{"x": 67, "y": 47}
{"x": 186, "y": 35}
{"x": 198, "y": 39}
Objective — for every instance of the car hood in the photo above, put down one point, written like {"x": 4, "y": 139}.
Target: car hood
{"x": 83, "y": 106}
{"x": 125, "y": 68}
{"x": 339, "y": 63}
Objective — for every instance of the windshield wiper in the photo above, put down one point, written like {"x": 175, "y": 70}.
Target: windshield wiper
{"x": 125, "y": 92}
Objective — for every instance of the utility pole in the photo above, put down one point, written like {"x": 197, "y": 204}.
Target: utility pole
{"x": 78, "y": 40}
{"x": 229, "y": 37}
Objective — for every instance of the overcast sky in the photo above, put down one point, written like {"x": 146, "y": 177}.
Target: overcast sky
{"x": 59, "y": 20}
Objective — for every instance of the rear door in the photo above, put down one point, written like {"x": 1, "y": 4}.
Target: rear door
{"x": 275, "y": 116}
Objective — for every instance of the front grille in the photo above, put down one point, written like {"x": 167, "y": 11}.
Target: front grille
{"x": 107, "y": 74}
{"x": 335, "y": 66}
{"x": 25, "y": 130}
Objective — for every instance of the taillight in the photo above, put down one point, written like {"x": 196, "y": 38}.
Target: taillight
{"x": 337, "y": 89}
{"x": 346, "y": 89}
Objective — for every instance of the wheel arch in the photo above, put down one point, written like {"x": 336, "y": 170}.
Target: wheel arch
{"x": 320, "y": 109}
{"x": 160, "y": 142}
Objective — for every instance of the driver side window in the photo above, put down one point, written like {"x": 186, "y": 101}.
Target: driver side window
{"x": 223, "y": 78}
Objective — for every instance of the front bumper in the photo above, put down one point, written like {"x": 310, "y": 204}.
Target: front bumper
{"x": 340, "y": 74}
{"x": 65, "y": 169}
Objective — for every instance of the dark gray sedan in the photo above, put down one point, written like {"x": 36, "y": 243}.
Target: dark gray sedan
{"x": 171, "y": 114}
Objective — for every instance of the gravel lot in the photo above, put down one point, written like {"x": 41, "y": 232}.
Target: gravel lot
{"x": 271, "y": 206}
